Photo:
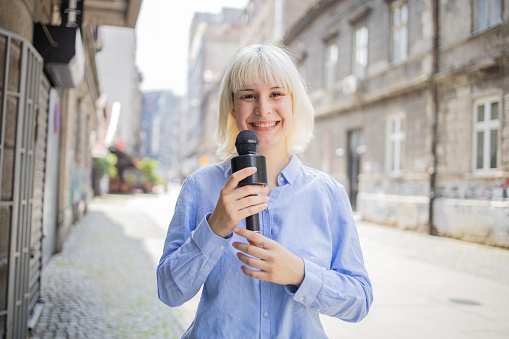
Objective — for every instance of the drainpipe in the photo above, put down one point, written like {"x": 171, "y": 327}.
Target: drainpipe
{"x": 434, "y": 108}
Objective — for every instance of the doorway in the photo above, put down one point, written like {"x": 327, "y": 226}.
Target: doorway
{"x": 355, "y": 145}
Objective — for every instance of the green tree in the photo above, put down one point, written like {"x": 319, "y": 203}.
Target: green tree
{"x": 107, "y": 164}
{"x": 148, "y": 168}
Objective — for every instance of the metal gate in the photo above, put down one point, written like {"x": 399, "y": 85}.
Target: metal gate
{"x": 51, "y": 176}
{"x": 20, "y": 70}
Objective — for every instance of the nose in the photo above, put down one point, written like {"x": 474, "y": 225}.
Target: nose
{"x": 263, "y": 107}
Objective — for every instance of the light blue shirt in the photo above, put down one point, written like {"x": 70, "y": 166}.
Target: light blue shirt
{"x": 309, "y": 214}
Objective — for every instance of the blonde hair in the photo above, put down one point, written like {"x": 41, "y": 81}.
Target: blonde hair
{"x": 252, "y": 65}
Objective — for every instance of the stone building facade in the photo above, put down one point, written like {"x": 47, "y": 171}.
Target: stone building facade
{"x": 270, "y": 21}
{"x": 411, "y": 110}
{"x": 472, "y": 144}
{"x": 48, "y": 94}
{"x": 212, "y": 40}
{"x": 160, "y": 132}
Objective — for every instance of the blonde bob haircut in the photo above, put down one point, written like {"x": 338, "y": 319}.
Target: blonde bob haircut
{"x": 252, "y": 65}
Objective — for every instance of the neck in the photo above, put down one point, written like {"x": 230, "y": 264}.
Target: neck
{"x": 277, "y": 160}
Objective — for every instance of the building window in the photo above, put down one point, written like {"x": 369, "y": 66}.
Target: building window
{"x": 399, "y": 29}
{"x": 395, "y": 139}
{"x": 487, "y": 14}
{"x": 360, "y": 51}
{"x": 330, "y": 66}
{"x": 486, "y": 127}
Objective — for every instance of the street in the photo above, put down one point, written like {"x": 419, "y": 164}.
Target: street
{"x": 103, "y": 284}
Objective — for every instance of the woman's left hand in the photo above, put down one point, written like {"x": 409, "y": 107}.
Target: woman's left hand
{"x": 275, "y": 263}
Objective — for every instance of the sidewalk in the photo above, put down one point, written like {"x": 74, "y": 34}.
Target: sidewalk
{"x": 430, "y": 287}
{"x": 102, "y": 285}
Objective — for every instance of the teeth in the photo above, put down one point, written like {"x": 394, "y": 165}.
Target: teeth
{"x": 270, "y": 124}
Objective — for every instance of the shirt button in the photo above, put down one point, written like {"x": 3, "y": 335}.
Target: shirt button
{"x": 301, "y": 298}
{"x": 281, "y": 179}
{"x": 221, "y": 248}
{"x": 266, "y": 314}
{"x": 207, "y": 268}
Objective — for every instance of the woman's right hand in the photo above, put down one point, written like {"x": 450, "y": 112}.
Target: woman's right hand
{"x": 235, "y": 204}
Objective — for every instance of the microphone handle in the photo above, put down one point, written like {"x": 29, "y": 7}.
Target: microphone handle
{"x": 253, "y": 223}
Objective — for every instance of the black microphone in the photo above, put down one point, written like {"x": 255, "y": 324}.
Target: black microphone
{"x": 247, "y": 147}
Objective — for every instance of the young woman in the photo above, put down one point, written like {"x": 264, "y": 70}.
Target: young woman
{"x": 306, "y": 259}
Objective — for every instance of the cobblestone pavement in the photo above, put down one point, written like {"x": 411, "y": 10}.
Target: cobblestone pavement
{"x": 103, "y": 283}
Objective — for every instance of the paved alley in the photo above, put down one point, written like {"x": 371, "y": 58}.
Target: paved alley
{"x": 102, "y": 285}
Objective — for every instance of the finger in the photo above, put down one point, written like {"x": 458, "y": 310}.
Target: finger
{"x": 251, "y": 190}
{"x": 252, "y": 250}
{"x": 238, "y": 176}
{"x": 259, "y": 275}
{"x": 253, "y": 262}
{"x": 247, "y": 191}
{"x": 256, "y": 238}
{"x": 249, "y": 201}
{"x": 253, "y": 244}
{"x": 251, "y": 210}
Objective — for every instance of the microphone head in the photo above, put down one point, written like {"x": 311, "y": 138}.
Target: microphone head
{"x": 246, "y": 143}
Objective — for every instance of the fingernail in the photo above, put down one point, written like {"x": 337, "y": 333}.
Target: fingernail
{"x": 236, "y": 230}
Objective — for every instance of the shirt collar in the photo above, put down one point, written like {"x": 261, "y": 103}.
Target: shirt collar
{"x": 290, "y": 172}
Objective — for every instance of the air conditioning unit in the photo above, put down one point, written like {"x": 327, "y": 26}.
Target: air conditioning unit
{"x": 62, "y": 51}
{"x": 350, "y": 85}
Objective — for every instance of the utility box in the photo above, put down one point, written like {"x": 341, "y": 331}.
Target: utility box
{"x": 62, "y": 51}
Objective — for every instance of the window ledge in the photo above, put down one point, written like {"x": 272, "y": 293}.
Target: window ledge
{"x": 494, "y": 174}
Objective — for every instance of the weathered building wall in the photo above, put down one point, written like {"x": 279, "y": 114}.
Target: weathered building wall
{"x": 398, "y": 200}
{"x": 214, "y": 40}
{"x": 468, "y": 202}
{"x": 386, "y": 89}
{"x": 23, "y": 111}
{"x": 120, "y": 81}
{"x": 270, "y": 21}
{"x": 472, "y": 202}
{"x": 23, "y": 153}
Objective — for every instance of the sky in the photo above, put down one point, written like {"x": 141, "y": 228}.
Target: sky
{"x": 162, "y": 34}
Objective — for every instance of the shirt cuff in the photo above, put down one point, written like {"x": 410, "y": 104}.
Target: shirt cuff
{"x": 209, "y": 243}
{"x": 310, "y": 286}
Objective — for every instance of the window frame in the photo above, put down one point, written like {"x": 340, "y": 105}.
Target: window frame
{"x": 359, "y": 69}
{"x": 395, "y": 144}
{"x": 399, "y": 32}
{"x": 330, "y": 64}
{"x": 486, "y": 126}
{"x": 491, "y": 18}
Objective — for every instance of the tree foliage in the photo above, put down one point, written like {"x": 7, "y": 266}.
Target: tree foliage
{"x": 148, "y": 168}
{"x": 106, "y": 165}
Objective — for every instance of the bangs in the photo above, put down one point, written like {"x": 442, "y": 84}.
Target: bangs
{"x": 258, "y": 68}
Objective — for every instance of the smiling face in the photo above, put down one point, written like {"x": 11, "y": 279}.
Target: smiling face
{"x": 266, "y": 109}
